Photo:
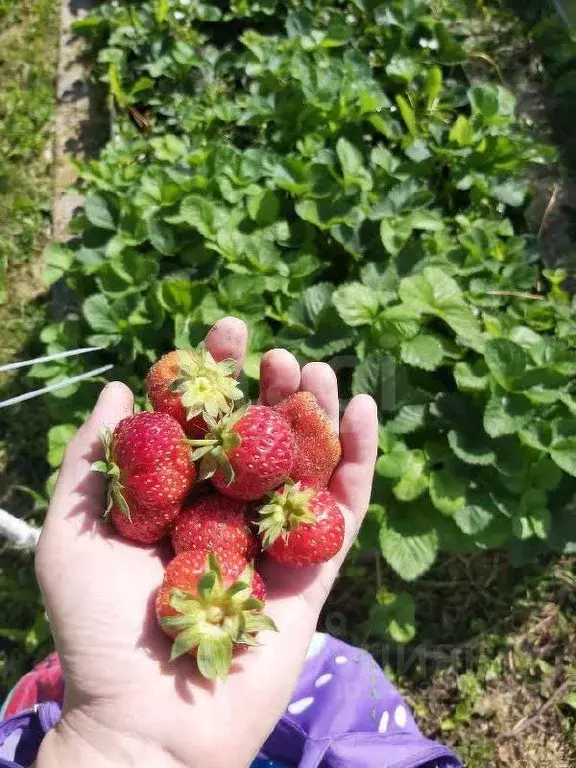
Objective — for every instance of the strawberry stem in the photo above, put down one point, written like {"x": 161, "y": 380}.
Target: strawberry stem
{"x": 108, "y": 467}
{"x": 207, "y": 387}
{"x": 286, "y": 511}
{"x": 214, "y": 448}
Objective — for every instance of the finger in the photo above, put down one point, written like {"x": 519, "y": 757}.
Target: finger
{"x": 320, "y": 380}
{"x": 351, "y": 482}
{"x": 227, "y": 340}
{"x": 279, "y": 376}
{"x": 77, "y": 480}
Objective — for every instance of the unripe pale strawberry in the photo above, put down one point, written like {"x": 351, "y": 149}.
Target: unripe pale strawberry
{"x": 318, "y": 448}
{"x": 189, "y": 384}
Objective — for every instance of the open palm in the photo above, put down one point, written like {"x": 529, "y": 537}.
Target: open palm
{"x": 123, "y": 696}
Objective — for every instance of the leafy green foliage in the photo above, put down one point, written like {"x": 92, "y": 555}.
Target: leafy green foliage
{"x": 326, "y": 172}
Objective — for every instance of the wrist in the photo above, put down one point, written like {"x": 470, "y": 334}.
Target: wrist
{"x": 79, "y": 740}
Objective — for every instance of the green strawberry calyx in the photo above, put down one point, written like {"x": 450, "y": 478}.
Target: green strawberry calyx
{"x": 215, "y": 619}
{"x": 207, "y": 387}
{"x": 108, "y": 467}
{"x": 286, "y": 510}
{"x": 214, "y": 448}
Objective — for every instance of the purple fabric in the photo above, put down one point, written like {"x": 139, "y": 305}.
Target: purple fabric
{"x": 343, "y": 713}
{"x": 22, "y": 734}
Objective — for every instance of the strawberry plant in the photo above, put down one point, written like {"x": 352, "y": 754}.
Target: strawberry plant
{"x": 326, "y": 171}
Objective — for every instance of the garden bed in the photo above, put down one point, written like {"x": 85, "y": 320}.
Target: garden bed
{"x": 308, "y": 181}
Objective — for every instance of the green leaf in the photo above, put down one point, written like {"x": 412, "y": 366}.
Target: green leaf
{"x": 376, "y": 376}
{"x": 418, "y": 151}
{"x": 448, "y": 489}
{"x": 432, "y": 291}
{"x": 506, "y": 361}
{"x": 409, "y": 542}
{"x": 383, "y": 158}
{"x": 180, "y": 296}
{"x": 537, "y": 434}
{"x": 428, "y": 221}
{"x": 57, "y": 261}
{"x": 472, "y": 447}
{"x": 408, "y": 115}
{"x": 433, "y": 86}
{"x": 356, "y": 304}
{"x": 395, "y": 463}
{"x": 395, "y": 233}
{"x": 471, "y": 378}
{"x": 203, "y": 214}
{"x": 127, "y": 272}
{"x": 534, "y": 518}
{"x": 352, "y": 162}
{"x": 325, "y": 214}
{"x": 414, "y": 480}
{"x": 58, "y": 439}
{"x": 462, "y": 132}
{"x": 393, "y": 616}
{"x": 162, "y": 237}
{"x": 408, "y": 419}
{"x": 330, "y": 336}
{"x": 545, "y": 475}
{"x": 423, "y": 351}
{"x": 403, "y": 68}
{"x": 510, "y": 192}
{"x": 476, "y": 514}
{"x": 506, "y": 414}
{"x": 264, "y": 207}
{"x": 464, "y": 324}
{"x": 161, "y": 9}
{"x": 491, "y": 101}
{"x": 563, "y": 452}
{"x": 98, "y": 312}
{"x": 100, "y": 213}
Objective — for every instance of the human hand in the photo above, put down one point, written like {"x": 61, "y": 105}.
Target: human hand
{"x": 125, "y": 703}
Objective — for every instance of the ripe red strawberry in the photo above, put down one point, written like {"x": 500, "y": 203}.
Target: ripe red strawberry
{"x": 209, "y": 607}
{"x": 188, "y": 384}
{"x": 216, "y": 524}
{"x": 143, "y": 525}
{"x": 246, "y": 454}
{"x": 318, "y": 448}
{"x": 147, "y": 462}
{"x": 301, "y": 527}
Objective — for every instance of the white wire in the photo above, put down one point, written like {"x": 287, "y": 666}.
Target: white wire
{"x": 18, "y": 532}
{"x": 54, "y": 387}
{"x": 47, "y": 358}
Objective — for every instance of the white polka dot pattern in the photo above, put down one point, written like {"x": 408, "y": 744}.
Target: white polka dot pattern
{"x": 323, "y": 679}
{"x": 400, "y": 716}
{"x": 384, "y": 720}
{"x": 301, "y": 705}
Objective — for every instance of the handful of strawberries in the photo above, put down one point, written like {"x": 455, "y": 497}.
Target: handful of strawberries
{"x": 230, "y": 486}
